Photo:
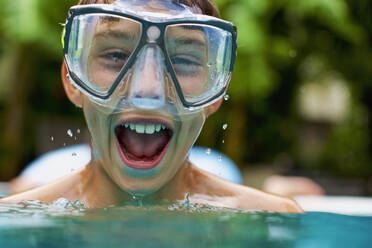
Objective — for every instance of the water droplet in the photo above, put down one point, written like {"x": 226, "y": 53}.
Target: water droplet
{"x": 208, "y": 151}
{"x": 77, "y": 204}
{"x": 74, "y": 154}
{"x": 223, "y": 141}
{"x": 226, "y": 97}
{"x": 138, "y": 199}
{"x": 52, "y": 138}
{"x": 69, "y": 133}
{"x": 60, "y": 203}
{"x": 219, "y": 158}
{"x": 78, "y": 130}
{"x": 224, "y": 126}
{"x": 64, "y": 144}
{"x": 186, "y": 202}
{"x": 75, "y": 138}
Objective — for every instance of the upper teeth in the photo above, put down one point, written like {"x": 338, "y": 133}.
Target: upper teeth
{"x": 148, "y": 128}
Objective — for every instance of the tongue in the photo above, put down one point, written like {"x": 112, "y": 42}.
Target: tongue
{"x": 143, "y": 145}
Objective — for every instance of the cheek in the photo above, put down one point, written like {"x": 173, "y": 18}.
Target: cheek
{"x": 98, "y": 127}
{"x": 189, "y": 130}
{"x": 194, "y": 85}
{"x": 91, "y": 114}
{"x": 98, "y": 76}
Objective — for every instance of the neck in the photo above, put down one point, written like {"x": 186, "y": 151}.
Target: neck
{"x": 176, "y": 188}
{"x": 102, "y": 191}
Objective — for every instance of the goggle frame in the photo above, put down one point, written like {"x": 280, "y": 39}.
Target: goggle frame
{"x": 145, "y": 25}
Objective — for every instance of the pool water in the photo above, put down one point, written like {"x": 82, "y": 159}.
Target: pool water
{"x": 65, "y": 224}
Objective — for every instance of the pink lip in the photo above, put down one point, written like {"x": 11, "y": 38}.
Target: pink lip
{"x": 143, "y": 165}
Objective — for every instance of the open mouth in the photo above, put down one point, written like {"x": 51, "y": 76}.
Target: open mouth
{"x": 142, "y": 144}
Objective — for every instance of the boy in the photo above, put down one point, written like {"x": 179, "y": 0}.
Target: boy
{"x": 147, "y": 74}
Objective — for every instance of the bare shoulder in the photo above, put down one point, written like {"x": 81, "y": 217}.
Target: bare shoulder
{"x": 240, "y": 196}
{"x": 65, "y": 187}
{"x": 258, "y": 199}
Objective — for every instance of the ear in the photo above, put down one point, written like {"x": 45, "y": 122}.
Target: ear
{"x": 213, "y": 108}
{"x": 71, "y": 91}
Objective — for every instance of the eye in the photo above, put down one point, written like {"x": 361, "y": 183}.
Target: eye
{"x": 186, "y": 65}
{"x": 114, "y": 59}
{"x": 184, "y": 61}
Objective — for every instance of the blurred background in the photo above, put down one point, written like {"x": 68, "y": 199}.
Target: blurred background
{"x": 299, "y": 102}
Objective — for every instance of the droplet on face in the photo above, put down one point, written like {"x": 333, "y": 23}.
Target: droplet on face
{"x": 78, "y": 130}
{"x": 226, "y": 97}
{"x": 52, "y": 138}
{"x": 224, "y": 126}
{"x": 70, "y": 133}
{"x": 219, "y": 158}
{"x": 223, "y": 141}
{"x": 208, "y": 151}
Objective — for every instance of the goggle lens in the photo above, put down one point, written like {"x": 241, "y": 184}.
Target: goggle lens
{"x": 200, "y": 56}
{"x": 100, "y": 46}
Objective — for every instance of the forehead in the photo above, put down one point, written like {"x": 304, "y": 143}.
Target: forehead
{"x": 119, "y": 28}
{"x": 148, "y": 9}
{"x": 169, "y": 7}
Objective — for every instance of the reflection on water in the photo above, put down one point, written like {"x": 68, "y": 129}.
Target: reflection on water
{"x": 66, "y": 224}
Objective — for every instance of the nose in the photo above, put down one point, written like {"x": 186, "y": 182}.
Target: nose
{"x": 147, "y": 86}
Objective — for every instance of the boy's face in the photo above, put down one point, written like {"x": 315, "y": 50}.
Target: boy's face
{"x": 141, "y": 149}
{"x": 148, "y": 74}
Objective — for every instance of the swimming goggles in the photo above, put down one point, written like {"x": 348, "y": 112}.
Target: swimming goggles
{"x": 106, "y": 47}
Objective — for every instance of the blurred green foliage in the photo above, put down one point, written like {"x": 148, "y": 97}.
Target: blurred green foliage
{"x": 346, "y": 151}
{"x": 30, "y": 60}
{"x": 275, "y": 39}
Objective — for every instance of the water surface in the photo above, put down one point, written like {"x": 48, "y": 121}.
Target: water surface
{"x": 63, "y": 224}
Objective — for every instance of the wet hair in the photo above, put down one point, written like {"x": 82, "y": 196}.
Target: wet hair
{"x": 206, "y": 6}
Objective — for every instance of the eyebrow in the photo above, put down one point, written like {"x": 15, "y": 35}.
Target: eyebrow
{"x": 192, "y": 27}
{"x": 117, "y": 35}
{"x": 110, "y": 19}
{"x": 131, "y": 37}
{"x": 188, "y": 41}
